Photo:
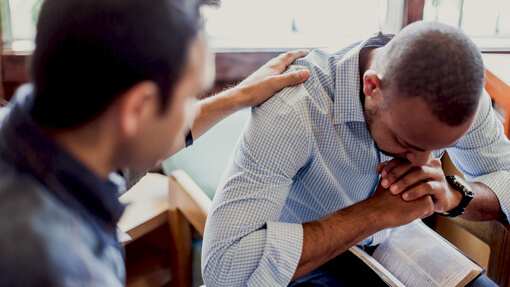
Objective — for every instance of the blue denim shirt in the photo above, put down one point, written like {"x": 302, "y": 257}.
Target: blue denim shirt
{"x": 57, "y": 219}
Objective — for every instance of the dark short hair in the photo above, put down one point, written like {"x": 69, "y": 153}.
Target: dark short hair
{"x": 438, "y": 63}
{"x": 88, "y": 52}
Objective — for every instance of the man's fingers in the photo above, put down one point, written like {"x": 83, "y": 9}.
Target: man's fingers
{"x": 292, "y": 78}
{"x": 289, "y": 57}
{"x": 395, "y": 174}
{"x": 381, "y": 166}
{"x": 388, "y": 167}
{"x": 414, "y": 176}
{"x": 281, "y": 62}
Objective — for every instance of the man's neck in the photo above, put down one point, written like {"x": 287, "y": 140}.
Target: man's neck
{"x": 88, "y": 147}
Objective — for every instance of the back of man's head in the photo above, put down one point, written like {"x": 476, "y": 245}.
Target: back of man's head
{"x": 438, "y": 63}
{"x": 88, "y": 52}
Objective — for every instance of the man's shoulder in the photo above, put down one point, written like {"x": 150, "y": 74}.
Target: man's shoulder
{"x": 27, "y": 208}
{"x": 41, "y": 240}
{"x": 4, "y": 111}
{"x": 319, "y": 91}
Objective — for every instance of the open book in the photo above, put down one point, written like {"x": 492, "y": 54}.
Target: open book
{"x": 415, "y": 255}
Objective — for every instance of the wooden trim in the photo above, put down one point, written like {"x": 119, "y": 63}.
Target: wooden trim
{"x": 190, "y": 200}
{"x": 237, "y": 66}
{"x": 146, "y": 210}
{"x": 15, "y": 66}
{"x": 497, "y": 52}
{"x": 231, "y": 66}
{"x": 413, "y": 11}
{"x": 499, "y": 92}
{"x": 2, "y": 92}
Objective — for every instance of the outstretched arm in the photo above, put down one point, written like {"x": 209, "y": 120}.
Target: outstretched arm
{"x": 253, "y": 91}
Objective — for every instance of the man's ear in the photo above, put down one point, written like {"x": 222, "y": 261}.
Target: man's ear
{"x": 372, "y": 85}
{"x": 137, "y": 104}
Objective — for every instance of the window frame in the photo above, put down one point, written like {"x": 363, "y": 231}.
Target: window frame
{"x": 232, "y": 65}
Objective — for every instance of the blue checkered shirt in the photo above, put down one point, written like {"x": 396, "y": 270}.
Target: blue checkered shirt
{"x": 307, "y": 153}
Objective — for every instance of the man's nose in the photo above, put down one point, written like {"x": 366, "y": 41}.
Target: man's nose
{"x": 419, "y": 158}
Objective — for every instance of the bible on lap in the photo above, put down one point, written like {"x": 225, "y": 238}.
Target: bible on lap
{"x": 415, "y": 255}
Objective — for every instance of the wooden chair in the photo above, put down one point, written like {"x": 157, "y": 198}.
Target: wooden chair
{"x": 145, "y": 221}
{"x": 496, "y": 234}
{"x": 497, "y": 85}
{"x": 159, "y": 220}
{"x": 189, "y": 207}
{"x": 147, "y": 206}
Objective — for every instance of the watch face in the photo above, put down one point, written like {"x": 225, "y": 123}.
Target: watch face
{"x": 465, "y": 184}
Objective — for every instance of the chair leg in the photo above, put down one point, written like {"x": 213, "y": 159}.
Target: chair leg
{"x": 181, "y": 234}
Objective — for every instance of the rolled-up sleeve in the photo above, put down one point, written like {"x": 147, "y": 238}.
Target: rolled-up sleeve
{"x": 244, "y": 244}
{"x": 483, "y": 154}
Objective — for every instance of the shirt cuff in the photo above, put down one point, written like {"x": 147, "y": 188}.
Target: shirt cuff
{"x": 498, "y": 182}
{"x": 284, "y": 243}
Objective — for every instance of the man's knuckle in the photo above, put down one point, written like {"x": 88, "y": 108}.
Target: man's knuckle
{"x": 427, "y": 185}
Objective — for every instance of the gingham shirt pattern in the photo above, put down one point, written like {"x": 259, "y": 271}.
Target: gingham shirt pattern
{"x": 306, "y": 153}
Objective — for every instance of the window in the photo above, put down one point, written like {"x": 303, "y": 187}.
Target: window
{"x": 261, "y": 24}
{"x": 241, "y": 24}
{"x": 486, "y": 22}
{"x": 18, "y": 23}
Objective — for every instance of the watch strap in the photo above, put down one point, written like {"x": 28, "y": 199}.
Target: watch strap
{"x": 467, "y": 195}
{"x": 189, "y": 139}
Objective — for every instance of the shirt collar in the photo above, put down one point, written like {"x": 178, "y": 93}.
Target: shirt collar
{"x": 30, "y": 150}
{"x": 347, "y": 105}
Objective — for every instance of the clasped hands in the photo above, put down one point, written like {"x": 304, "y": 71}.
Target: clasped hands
{"x": 423, "y": 187}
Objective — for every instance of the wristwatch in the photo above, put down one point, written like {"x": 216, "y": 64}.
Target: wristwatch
{"x": 189, "y": 139}
{"x": 459, "y": 184}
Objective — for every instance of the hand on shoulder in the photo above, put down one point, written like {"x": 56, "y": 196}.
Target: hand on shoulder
{"x": 270, "y": 78}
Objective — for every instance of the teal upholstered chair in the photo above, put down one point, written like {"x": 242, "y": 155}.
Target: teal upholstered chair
{"x": 206, "y": 159}
{"x": 194, "y": 175}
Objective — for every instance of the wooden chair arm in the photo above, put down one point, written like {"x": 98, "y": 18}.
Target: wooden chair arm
{"x": 496, "y": 234}
{"x": 147, "y": 206}
{"x": 189, "y": 199}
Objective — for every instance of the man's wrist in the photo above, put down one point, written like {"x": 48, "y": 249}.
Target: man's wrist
{"x": 457, "y": 183}
{"x": 240, "y": 97}
{"x": 456, "y": 197}
{"x": 234, "y": 98}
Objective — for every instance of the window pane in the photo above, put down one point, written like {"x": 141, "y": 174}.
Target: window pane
{"x": 20, "y": 34}
{"x": 256, "y": 24}
{"x": 488, "y": 18}
{"x": 487, "y": 22}
{"x": 301, "y": 23}
{"x": 479, "y": 18}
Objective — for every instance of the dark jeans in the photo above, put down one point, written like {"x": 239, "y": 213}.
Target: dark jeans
{"x": 346, "y": 270}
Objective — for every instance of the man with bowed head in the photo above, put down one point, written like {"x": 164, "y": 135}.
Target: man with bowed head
{"x": 353, "y": 152}
{"x": 115, "y": 85}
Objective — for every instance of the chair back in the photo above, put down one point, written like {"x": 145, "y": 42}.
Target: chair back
{"x": 207, "y": 158}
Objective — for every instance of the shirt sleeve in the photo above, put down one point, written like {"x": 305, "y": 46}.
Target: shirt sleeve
{"x": 132, "y": 177}
{"x": 483, "y": 154}
{"x": 244, "y": 244}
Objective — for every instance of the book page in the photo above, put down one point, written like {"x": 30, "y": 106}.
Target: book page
{"x": 418, "y": 256}
{"x": 376, "y": 267}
